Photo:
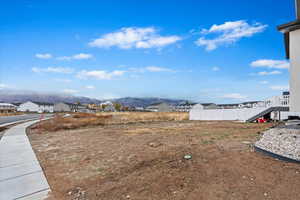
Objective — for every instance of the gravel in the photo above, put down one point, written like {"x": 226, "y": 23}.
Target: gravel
{"x": 283, "y": 141}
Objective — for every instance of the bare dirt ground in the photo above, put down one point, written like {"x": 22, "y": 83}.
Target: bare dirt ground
{"x": 144, "y": 161}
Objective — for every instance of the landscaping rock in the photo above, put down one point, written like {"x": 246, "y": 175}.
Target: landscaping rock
{"x": 283, "y": 141}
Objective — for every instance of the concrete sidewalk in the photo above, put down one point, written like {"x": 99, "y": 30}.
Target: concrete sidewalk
{"x": 21, "y": 176}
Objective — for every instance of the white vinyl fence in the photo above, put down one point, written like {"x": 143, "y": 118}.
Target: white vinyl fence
{"x": 241, "y": 114}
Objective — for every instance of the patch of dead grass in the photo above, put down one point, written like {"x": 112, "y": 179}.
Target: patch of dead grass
{"x": 80, "y": 120}
{"x": 73, "y": 122}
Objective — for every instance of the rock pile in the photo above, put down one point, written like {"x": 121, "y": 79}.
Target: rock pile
{"x": 283, "y": 141}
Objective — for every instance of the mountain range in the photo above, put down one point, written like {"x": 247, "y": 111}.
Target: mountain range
{"x": 23, "y": 96}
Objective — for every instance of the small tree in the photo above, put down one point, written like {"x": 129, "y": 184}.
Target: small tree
{"x": 103, "y": 106}
{"x": 117, "y": 106}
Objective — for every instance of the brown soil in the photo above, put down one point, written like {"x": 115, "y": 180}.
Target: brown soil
{"x": 145, "y": 161}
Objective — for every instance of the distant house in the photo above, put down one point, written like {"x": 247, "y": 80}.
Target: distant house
{"x": 207, "y": 106}
{"x": 137, "y": 108}
{"x": 184, "y": 107}
{"x": 159, "y": 107}
{"x": 7, "y": 108}
{"x": 65, "y": 107}
{"x": 109, "y": 108}
{"x": 204, "y": 106}
{"x": 106, "y": 103}
{"x": 251, "y": 104}
{"x": 39, "y": 107}
{"x": 94, "y": 107}
{"x": 84, "y": 109}
{"x": 228, "y": 106}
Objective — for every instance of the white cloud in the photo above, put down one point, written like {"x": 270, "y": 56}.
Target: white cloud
{"x": 3, "y": 86}
{"x": 280, "y": 87}
{"x": 215, "y": 69}
{"x": 62, "y": 70}
{"x": 90, "y": 87}
{"x": 64, "y": 58}
{"x": 132, "y": 37}
{"x": 149, "y": 69}
{"x": 100, "y": 74}
{"x": 228, "y": 33}
{"x": 235, "y": 96}
{"x": 80, "y": 56}
{"x": 158, "y": 69}
{"x": 268, "y": 63}
{"x": 265, "y": 73}
{"x": 264, "y": 82}
{"x": 70, "y": 91}
{"x": 63, "y": 80}
{"x": 43, "y": 56}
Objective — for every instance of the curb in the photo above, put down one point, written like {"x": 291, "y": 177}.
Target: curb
{"x": 274, "y": 155}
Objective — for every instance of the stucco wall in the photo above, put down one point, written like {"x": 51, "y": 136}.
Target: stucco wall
{"x": 295, "y": 71}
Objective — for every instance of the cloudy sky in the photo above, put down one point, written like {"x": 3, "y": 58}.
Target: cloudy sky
{"x": 200, "y": 50}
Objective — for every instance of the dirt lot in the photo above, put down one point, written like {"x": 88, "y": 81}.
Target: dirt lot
{"x": 144, "y": 161}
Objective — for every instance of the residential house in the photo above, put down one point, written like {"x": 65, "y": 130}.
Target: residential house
{"x": 109, "y": 108}
{"x": 228, "y": 106}
{"x": 283, "y": 100}
{"x": 207, "y": 106}
{"x": 251, "y": 104}
{"x": 204, "y": 106}
{"x": 159, "y": 107}
{"x": 95, "y": 107}
{"x": 83, "y": 109}
{"x": 39, "y": 107}
{"x": 138, "y": 109}
{"x": 7, "y": 108}
{"x": 184, "y": 107}
{"x": 65, "y": 107}
{"x": 291, "y": 33}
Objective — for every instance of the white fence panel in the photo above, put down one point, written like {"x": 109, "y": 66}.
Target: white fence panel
{"x": 225, "y": 114}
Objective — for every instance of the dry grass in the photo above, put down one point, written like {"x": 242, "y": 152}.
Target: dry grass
{"x": 11, "y": 114}
{"x": 75, "y": 121}
{"x": 81, "y": 120}
{"x": 147, "y": 116}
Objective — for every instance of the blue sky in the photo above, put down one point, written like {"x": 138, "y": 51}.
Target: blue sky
{"x": 229, "y": 51}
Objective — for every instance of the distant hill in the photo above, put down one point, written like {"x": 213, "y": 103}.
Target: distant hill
{"x": 20, "y": 97}
{"x": 143, "y": 102}
{"x": 23, "y": 96}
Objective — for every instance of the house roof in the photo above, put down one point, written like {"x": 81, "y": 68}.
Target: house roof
{"x": 207, "y": 104}
{"x": 286, "y": 29}
{"x": 42, "y": 103}
{"x": 156, "y": 104}
{"x": 7, "y": 104}
{"x": 69, "y": 104}
{"x": 250, "y": 102}
{"x": 186, "y": 104}
{"x": 231, "y": 104}
{"x": 289, "y": 27}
